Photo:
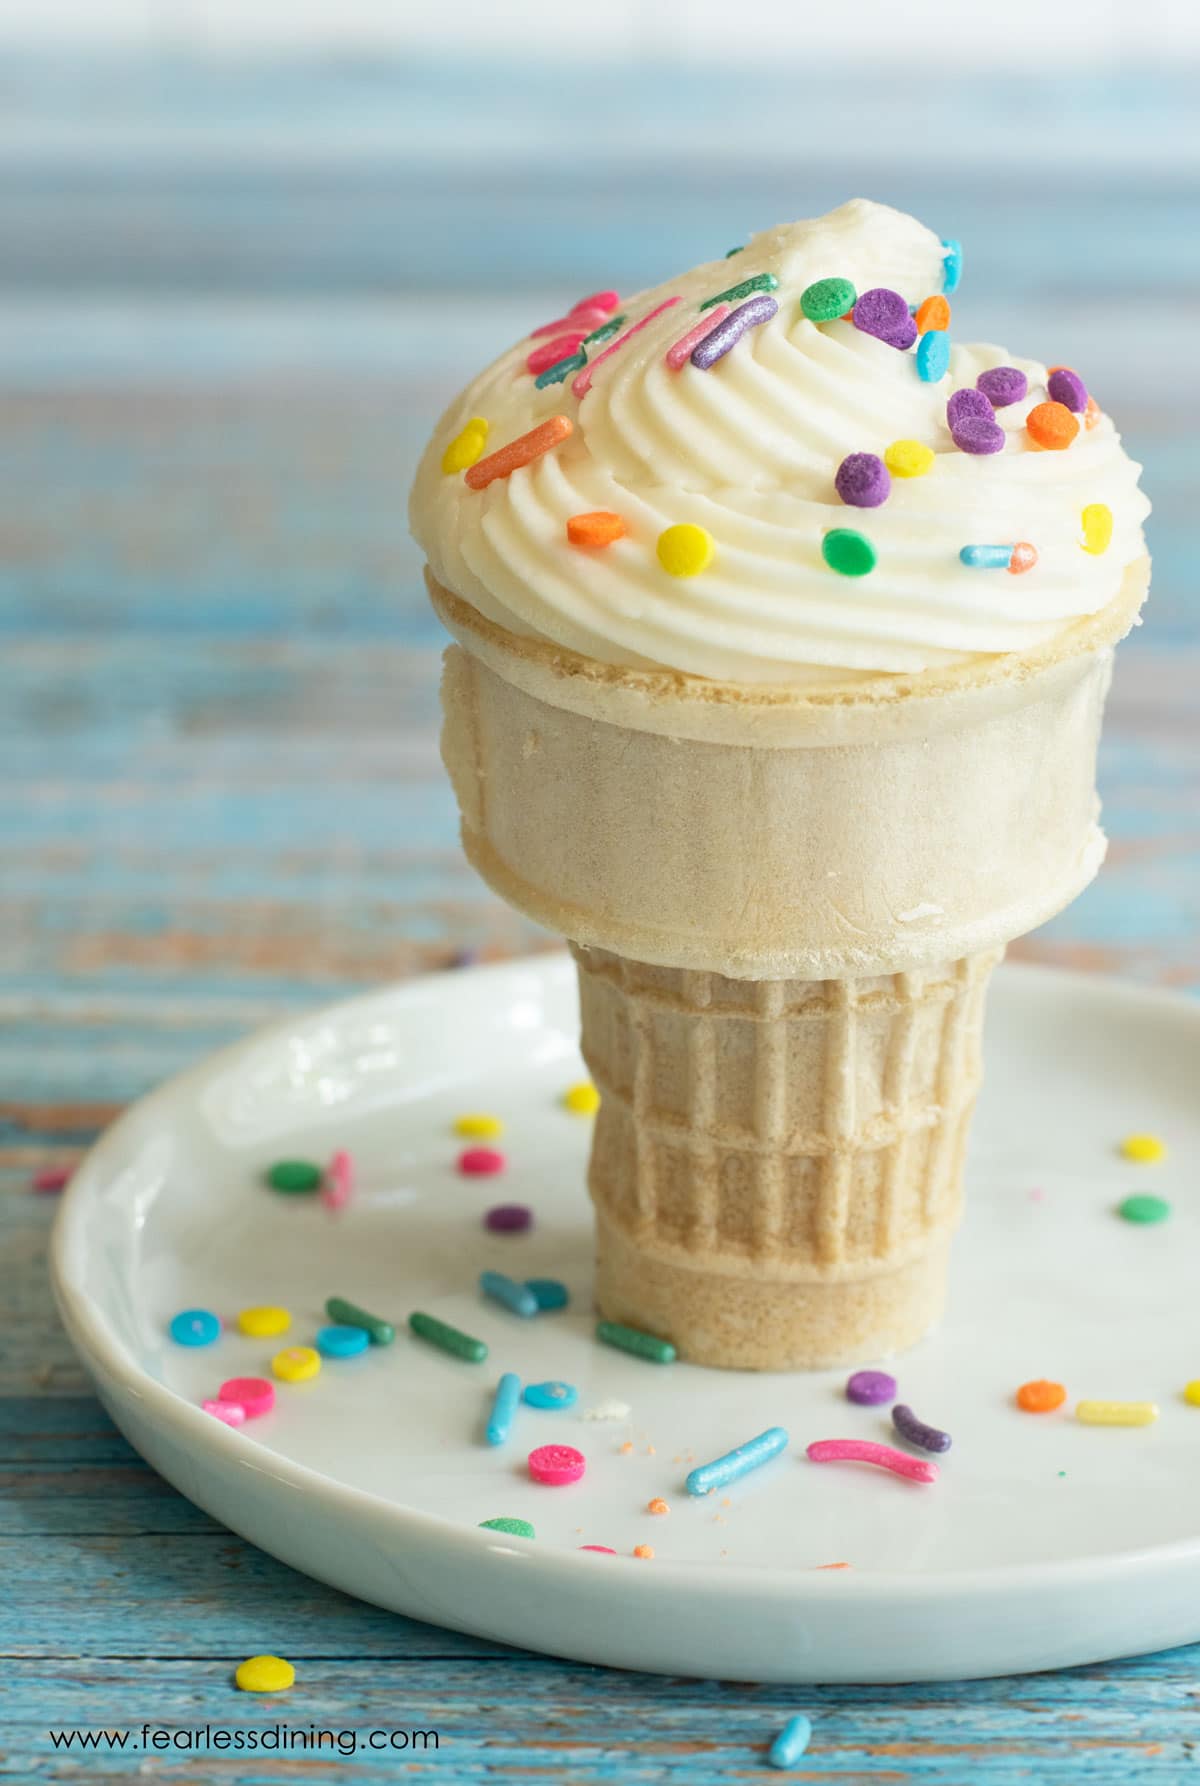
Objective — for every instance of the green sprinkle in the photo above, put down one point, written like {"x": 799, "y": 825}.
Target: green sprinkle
{"x": 827, "y": 299}
{"x": 730, "y": 252}
{"x": 760, "y": 282}
{"x": 1145, "y": 1209}
{"x": 848, "y": 552}
{"x": 294, "y": 1175}
{"x": 448, "y": 1339}
{"x": 605, "y": 332}
{"x": 348, "y": 1314}
{"x": 561, "y": 369}
{"x": 518, "y": 1528}
{"x": 628, "y": 1339}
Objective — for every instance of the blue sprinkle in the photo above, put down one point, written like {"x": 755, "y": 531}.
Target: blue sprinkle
{"x": 342, "y": 1342}
{"x": 791, "y": 1742}
{"x": 551, "y": 1395}
{"x": 517, "y": 1297}
{"x": 933, "y": 355}
{"x": 987, "y": 558}
{"x": 508, "y": 1395}
{"x": 548, "y": 1292}
{"x": 195, "y": 1327}
{"x": 561, "y": 369}
{"x": 951, "y": 264}
{"x": 738, "y": 1462}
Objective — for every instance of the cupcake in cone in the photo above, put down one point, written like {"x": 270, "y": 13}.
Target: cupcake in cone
{"x": 782, "y": 634}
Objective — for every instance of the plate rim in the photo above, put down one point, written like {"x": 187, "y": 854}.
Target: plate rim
{"x": 108, "y": 1361}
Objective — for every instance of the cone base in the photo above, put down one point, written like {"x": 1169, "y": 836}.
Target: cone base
{"x": 736, "y": 1323}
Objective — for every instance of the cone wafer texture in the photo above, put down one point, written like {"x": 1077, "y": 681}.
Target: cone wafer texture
{"x": 777, "y": 1166}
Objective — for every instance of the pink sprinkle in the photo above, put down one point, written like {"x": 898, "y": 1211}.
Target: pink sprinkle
{"x": 337, "y": 1186}
{"x": 681, "y": 352}
{"x": 481, "y": 1162}
{"x": 603, "y": 301}
{"x": 557, "y": 327}
{"x": 865, "y": 1451}
{"x": 256, "y": 1395}
{"x": 551, "y": 352}
{"x": 606, "y": 1550}
{"x": 583, "y": 317}
{"x": 51, "y": 1178}
{"x": 581, "y": 384}
{"x": 232, "y": 1413}
{"x": 1036, "y": 1196}
{"x": 556, "y": 1465}
{"x": 588, "y": 318}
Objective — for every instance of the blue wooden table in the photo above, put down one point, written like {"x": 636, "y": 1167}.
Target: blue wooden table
{"x": 233, "y": 300}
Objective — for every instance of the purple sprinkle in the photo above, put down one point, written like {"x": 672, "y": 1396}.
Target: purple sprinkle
{"x": 928, "y": 1438}
{"x": 869, "y": 1388}
{"x": 975, "y": 435}
{"x": 1003, "y": 385}
{"x": 967, "y": 403}
{"x": 862, "y": 480}
{"x": 1065, "y": 386}
{"x": 884, "y": 314}
{"x": 509, "y": 1218}
{"x": 717, "y": 343}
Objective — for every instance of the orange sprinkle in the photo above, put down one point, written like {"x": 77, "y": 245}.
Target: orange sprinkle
{"x": 1050, "y": 425}
{"x": 650, "y": 1451}
{"x": 520, "y": 452}
{"x": 934, "y": 313}
{"x": 627, "y": 1447}
{"x": 645, "y": 1551}
{"x": 600, "y": 528}
{"x": 1024, "y": 557}
{"x": 1041, "y": 1397}
{"x": 1091, "y": 414}
{"x": 821, "y": 1566}
{"x": 657, "y": 1505}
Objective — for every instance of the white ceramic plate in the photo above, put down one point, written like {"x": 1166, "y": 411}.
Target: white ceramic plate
{"x": 1044, "y": 1543}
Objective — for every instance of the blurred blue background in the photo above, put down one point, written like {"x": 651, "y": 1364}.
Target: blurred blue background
{"x": 249, "y": 255}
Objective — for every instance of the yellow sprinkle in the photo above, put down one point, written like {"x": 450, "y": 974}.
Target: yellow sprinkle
{"x": 685, "y": 550}
{"x": 582, "y": 1099}
{"x": 1097, "y": 527}
{"x": 908, "y": 458}
{"x": 265, "y": 1674}
{"x": 466, "y": 447}
{"x": 1116, "y": 1413}
{"x": 264, "y": 1322}
{"x": 487, "y": 1128}
{"x": 1192, "y": 1392}
{"x": 295, "y": 1364}
{"x": 1147, "y": 1150}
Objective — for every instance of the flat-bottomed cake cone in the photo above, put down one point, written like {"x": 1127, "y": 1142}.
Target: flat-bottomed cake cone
{"x": 777, "y": 1165}
{"x": 785, "y": 909}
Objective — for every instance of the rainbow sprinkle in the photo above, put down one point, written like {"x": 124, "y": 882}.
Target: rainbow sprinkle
{"x": 582, "y": 382}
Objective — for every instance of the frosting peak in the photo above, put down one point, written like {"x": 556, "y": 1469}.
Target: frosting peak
{"x": 743, "y": 444}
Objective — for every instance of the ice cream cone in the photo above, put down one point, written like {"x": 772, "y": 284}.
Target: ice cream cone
{"x": 786, "y": 906}
{"x": 782, "y": 641}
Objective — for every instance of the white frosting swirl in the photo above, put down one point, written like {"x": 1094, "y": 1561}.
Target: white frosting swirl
{"x": 749, "y": 451}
